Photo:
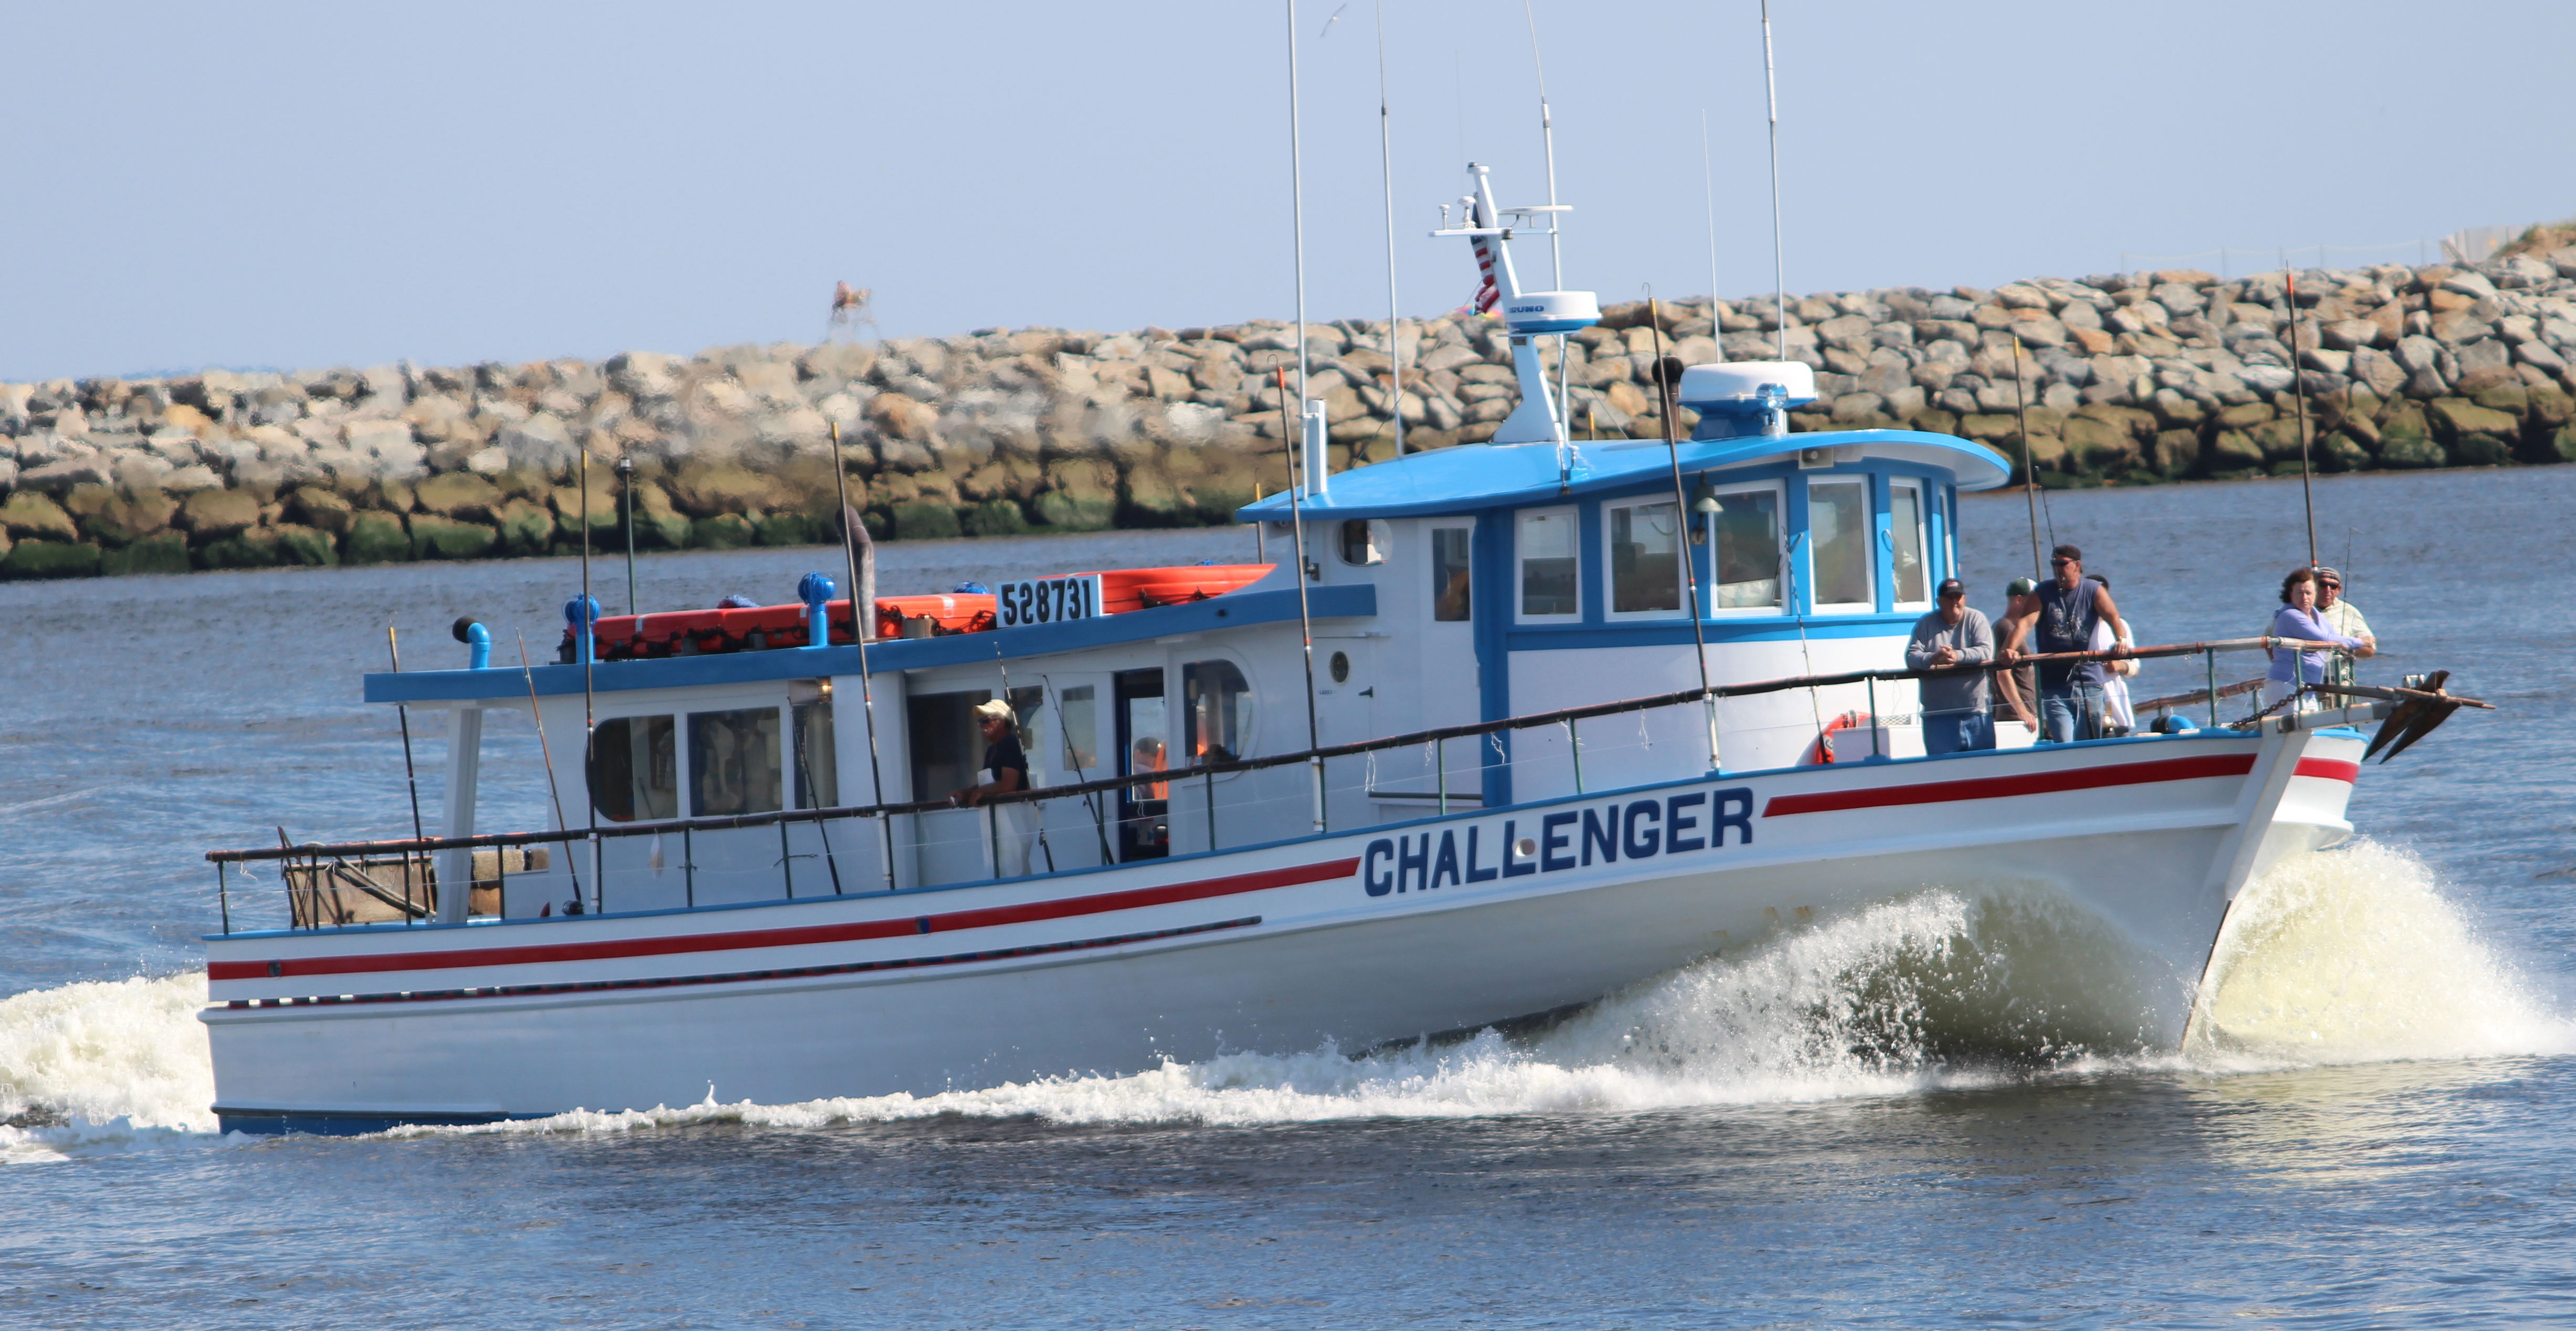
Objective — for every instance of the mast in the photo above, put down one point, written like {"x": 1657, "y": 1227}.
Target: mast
{"x": 1297, "y": 216}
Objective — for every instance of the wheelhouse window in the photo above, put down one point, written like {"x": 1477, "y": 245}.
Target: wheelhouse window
{"x": 1645, "y": 558}
{"x": 818, "y": 767}
{"x": 1547, "y": 547}
{"x": 635, "y": 768}
{"x": 1216, "y": 711}
{"x": 1905, "y": 534}
{"x": 1839, "y": 545}
{"x": 733, "y": 762}
{"x": 1745, "y": 540}
{"x": 1451, "y": 576}
{"x": 1078, "y": 716}
{"x": 1360, "y": 544}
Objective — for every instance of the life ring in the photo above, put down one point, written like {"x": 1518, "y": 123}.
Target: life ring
{"x": 1822, "y": 751}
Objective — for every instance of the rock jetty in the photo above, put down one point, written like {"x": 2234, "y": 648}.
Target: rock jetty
{"x": 2128, "y": 379}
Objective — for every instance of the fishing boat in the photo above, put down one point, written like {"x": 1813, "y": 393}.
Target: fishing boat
{"x": 1517, "y": 724}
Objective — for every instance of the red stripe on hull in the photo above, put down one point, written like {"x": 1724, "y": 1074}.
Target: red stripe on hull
{"x": 983, "y": 918}
{"x": 2332, "y": 769}
{"x": 2006, "y": 787}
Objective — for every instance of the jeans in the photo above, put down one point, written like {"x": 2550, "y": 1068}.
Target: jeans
{"x": 1957, "y": 732}
{"x": 2070, "y": 713}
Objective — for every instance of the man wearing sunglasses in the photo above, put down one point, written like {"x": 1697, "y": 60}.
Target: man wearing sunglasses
{"x": 2063, "y": 612}
{"x": 2340, "y": 616}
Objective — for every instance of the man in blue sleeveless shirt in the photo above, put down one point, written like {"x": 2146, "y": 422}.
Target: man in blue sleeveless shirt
{"x": 2063, "y": 611}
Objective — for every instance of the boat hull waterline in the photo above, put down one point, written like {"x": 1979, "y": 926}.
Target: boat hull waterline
{"x": 1354, "y": 939}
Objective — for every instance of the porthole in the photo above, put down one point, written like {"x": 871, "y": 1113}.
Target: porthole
{"x": 1341, "y": 668}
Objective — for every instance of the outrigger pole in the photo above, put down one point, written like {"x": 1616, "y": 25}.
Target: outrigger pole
{"x": 1305, "y": 622}
{"x": 863, "y": 623}
{"x": 1296, "y": 513}
{"x": 586, "y": 641}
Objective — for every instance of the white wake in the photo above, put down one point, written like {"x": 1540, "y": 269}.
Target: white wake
{"x": 2347, "y": 956}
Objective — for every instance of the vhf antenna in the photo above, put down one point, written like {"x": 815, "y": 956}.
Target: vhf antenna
{"x": 1779, "y": 278}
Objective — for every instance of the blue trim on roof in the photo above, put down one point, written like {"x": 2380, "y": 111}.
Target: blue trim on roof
{"x": 1475, "y": 476}
{"x": 1231, "y": 611}
{"x": 1676, "y": 632}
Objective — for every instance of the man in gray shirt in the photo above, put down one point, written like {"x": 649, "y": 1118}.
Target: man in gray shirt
{"x": 1954, "y": 706}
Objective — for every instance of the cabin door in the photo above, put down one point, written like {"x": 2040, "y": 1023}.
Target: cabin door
{"x": 1144, "y": 740}
{"x": 1346, "y": 688}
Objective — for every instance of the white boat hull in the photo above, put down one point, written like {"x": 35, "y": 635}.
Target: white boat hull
{"x": 1343, "y": 939}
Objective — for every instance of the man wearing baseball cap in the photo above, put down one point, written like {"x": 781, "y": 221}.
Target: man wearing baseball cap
{"x": 1006, "y": 770}
{"x": 2018, "y": 687}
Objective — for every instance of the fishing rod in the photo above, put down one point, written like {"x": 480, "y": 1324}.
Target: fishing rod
{"x": 1305, "y": 621}
{"x": 1665, "y": 376}
{"x": 1021, "y": 738}
{"x": 587, "y": 641}
{"x": 1099, "y": 823}
{"x": 2299, "y": 401}
{"x": 562, "y": 827}
{"x": 2029, "y": 477}
{"x": 863, "y": 623}
{"x": 411, "y": 775}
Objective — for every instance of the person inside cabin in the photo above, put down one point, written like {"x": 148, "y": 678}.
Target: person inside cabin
{"x": 1954, "y": 706}
{"x": 2298, "y": 618}
{"x": 2340, "y": 616}
{"x": 2118, "y": 718}
{"x": 2058, "y": 617}
{"x": 1006, "y": 770}
{"x": 2017, "y": 688}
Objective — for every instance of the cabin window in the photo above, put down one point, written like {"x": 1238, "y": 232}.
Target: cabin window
{"x": 1905, "y": 534}
{"x": 1548, "y": 563}
{"x": 635, "y": 769}
{"x": 1216, "y": 711}
{"x": 1839, "y": 545}
{"x": 1360, "y": 544}
{"x": 948, "y": 746}
{"x": 1451, "y": 577}
{"x": 1645, "y": 558}
{"x": 1077, "y": 712}
{"x": 733, "y": 762}
{"x": 818, "y": 768}
{"x": 1745, "y": 534}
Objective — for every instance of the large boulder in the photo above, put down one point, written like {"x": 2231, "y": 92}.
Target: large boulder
{"x": 435, "y": 537}
{"x": 33, "y": 558}
{"x": 212, "y": 515}
{"x": 377, "y": 537}
{"x": 462, "y": 495}
{"x": 164, "y": 552}
{"x": 30, "y": 515}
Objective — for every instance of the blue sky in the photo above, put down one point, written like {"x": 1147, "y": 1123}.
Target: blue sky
{"x": 297, "y": 185}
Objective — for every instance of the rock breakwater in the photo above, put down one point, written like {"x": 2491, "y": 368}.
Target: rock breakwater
{"x": 2127, "y": 379}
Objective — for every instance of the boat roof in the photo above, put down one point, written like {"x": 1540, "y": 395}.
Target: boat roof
{"x": 1481, "y": 476}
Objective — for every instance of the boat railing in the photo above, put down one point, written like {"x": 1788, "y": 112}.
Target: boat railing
{"x": 309, "y": 866}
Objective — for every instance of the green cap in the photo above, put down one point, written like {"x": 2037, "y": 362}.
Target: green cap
{"x": 2021, "y": 587}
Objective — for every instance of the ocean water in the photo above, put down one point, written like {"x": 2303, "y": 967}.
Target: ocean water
{"x": 1889, "y": 1119}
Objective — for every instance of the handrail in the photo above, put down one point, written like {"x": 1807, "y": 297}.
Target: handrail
{"x": 1473, "y": 729}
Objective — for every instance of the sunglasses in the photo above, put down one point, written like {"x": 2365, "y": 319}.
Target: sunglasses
{"x": 2059, "y": 563}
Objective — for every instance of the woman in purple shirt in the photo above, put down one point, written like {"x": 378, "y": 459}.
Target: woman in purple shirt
{"x": 2298, "y": 618}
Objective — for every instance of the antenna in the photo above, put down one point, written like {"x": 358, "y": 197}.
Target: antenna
{"x": 1386, "y": 169}
{"x": 1547, "y": 136}
{"x": 1708, "y": 192}
{"x": 2299, "y": 384}
{"x": 1779, "y": 279}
